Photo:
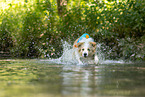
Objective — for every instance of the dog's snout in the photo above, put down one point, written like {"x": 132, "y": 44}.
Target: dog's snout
{"x": 85, "y": 54}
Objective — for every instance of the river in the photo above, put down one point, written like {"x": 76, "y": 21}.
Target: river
{"x": 47, "y": 78}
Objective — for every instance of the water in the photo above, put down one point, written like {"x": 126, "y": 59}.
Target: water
{"x": 63, "y": 77}
{"x": 39, "y": 78}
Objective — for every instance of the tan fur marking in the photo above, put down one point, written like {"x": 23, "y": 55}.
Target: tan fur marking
{"x": 79, "y": 44}
{"x": 93, "y": 44}
{"x": 75, "y": 43}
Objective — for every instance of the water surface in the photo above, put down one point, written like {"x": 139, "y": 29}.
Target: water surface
{"x": 44, "y": 78}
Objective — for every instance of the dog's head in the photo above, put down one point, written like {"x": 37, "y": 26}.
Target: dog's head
{"x": 86, "y": 49}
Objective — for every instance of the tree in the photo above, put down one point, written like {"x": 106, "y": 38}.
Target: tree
{"x": 61, "y": 6}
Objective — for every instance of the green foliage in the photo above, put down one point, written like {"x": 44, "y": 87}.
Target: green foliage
{"x": 134, "y": 50}
{"x": 35, "y": 29}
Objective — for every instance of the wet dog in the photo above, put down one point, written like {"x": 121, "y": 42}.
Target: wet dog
{"x": 85, "y": 50}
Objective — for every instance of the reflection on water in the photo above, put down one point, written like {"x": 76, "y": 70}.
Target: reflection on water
{"x": 34, "y": 78}
{"x": 80, "y": 81}
{"x": 112, "y": 79}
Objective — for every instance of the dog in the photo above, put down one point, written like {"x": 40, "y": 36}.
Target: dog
{"x": 85, "y": 50}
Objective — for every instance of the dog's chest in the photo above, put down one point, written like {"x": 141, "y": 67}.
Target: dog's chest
{"x": 87, "y": 59}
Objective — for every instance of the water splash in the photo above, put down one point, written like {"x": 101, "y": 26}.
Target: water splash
{"x": 68, "y": 59}
{"x": 67, "y": 52}
{"x": 67, "y": 56}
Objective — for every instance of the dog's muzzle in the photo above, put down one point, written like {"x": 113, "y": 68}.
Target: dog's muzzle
{"x": 85, "y": 55}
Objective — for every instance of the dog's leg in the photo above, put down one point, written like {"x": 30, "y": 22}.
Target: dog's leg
{"x": 96, "y": 60}
{"x": 78, "y": 58}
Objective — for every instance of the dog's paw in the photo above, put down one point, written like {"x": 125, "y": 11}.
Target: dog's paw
{"x": 80, "y": 63}
{"x": 96, "y": 62}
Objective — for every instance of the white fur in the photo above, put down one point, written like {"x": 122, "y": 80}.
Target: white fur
{"x": 84, "y": 53}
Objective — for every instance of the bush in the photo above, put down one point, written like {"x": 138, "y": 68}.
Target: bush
{"x": 35, "y": 29}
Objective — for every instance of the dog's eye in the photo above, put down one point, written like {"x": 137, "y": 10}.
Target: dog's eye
{"x": 88, "y": 49}
{"x": 79, "y": 45}
{"x": 82, "y": 49}
{"x": 79, "y": 50}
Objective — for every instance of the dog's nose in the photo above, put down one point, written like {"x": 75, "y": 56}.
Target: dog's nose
{"x": 85, "y": 54}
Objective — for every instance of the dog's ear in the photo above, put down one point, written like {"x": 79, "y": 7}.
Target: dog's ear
{"x": 75, "y": 46}
{"x": 93, "y": 44}
{"x": 79, "y": 44}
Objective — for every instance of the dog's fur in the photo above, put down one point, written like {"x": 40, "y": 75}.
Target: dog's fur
{"x": 85, "y": 50}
